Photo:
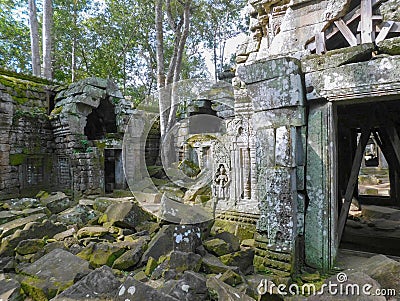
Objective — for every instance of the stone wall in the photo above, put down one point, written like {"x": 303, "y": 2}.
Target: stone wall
{"x": 294, "y": 97}
{"x": 26, "y": 137}
{"x": 97, "y": 100}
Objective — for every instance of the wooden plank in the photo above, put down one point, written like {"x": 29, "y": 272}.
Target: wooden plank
{"x": 346, "y": 32}
{"x": 366, "y": 22}
{"x": 395, "y": 27}
{"x": 353, "y": 179}
{"x": 348, "y": 19}
{"x": 384, "y": 31}
{"x": 320, "y": 42}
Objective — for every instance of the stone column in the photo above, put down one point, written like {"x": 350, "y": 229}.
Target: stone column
{"x": 275, "y": 88}
{"x": 321, "y": 214}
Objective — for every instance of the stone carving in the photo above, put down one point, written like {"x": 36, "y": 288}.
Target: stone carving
{"x": 221, "y": 182}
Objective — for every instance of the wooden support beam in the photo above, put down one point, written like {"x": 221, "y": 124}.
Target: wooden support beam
{"x": 385, "y": 29}
{"x": 353, "y": 179}
{"x": 349, "y": 18}
{"x": 366, "y": 22}
{"x": 346, "y": 32}
{"x": 320, "y": 43}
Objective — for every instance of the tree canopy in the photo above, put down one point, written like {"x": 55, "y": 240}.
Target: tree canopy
{"x": 117, "y": 39}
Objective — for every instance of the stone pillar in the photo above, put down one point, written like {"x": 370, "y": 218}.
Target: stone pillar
{"x": 321, "y": 215}
{"x": 275, "y": 88}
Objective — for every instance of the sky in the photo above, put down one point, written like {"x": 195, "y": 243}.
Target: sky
{"x": 231, "y": 45}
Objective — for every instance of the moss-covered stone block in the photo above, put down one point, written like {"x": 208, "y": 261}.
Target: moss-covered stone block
{"x": 102, "y": 253}
{"x": 218, "y": 246}
{"x": 150, "y": 266}
{"x": 29, "y": 246}
{"x": 17, "y": 159}
{"x": 390, "y": 46}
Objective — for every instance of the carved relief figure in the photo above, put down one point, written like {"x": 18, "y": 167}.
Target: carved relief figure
{"x": 221, "y": 181}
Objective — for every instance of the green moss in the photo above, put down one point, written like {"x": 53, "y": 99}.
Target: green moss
{"x": 151, "y": 265}
{"x": 17, "y": 159}
{"x": 34, "y": 288}
{"x": 56, "y": 111}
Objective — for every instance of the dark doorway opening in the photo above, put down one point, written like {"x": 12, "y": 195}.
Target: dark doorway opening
{"x": 101, "y": 121}
{"x": 368, "y": 143}
{"x": 113, "y": 170}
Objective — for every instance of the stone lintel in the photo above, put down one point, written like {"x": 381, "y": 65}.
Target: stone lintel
{"x": 363, "y": 80}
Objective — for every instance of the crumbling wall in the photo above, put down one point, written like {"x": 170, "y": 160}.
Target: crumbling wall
{"x": 84, "y": 156}
{"x": 26, "y": 146}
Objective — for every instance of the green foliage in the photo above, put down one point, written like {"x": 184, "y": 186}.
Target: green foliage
{"x": 116, "y": 39}
{"x": 14, "y": 38}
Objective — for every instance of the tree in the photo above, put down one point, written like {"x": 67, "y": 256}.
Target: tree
{"x": 34, "y": 35}
{"x": 178, "y": 25}
{"x": 218, "y": 24}
{"x": 14, "y": 38}
{"x": 47, "y": 38}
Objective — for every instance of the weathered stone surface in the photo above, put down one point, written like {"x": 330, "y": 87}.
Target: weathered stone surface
{"x": 101, "y": 284}
{"x": 77, "y": 215}
{"x": 336, "y": 58}
{"x": 31, "y": 231}
{"x": 212, "y": 265}
{"x": 21, "y": 204}
{"x": 29, "y": 246}
{"x": 276, "y": 93}
{"x": 102, "y": 253}
{"x": 182, "y": 261}
{"x": 218, "y": 246}
{"x": 230, "y": 239}
{"x": 192, "y": 287}
{"x": 161, "y": 243}
{"x": 125, "y": 214}
{"x": 177, "y": 212}
{"x": 67, "y": 233}
{"x": 10, "y": 290}
{"x": 7, "y": 216}
{"x": 242, "y": 259}
{"x": 94, "y": 231}
{"x": 388, "y": 11}
{"x": 131, "y": 258}
{"x": 268, "y": 69}
{"x": 101, "y": 204}
{"x": 223, "y": 291}
{"x": 301, "y": 21}
{"x": 355, "y": 81}
{"x": 320, "y": 249}
{"x": 57, "y": 202}
{"x": 186, "y": 238}
{"x": 12, "y": 226}
{"x": 231, "y": 278}
{"x": 134, "y": 290}
{"x": 52, "y": 273}
{"x": 276, "y": 207}
{"x": 294, "y": 116}
{"x": 384, "y": 270}
{"x": 356, "y": 279}
{"x": 380, "y": 212}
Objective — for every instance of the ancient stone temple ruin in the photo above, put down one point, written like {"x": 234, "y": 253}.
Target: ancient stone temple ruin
{"x": 277, "y": 147}
{"x": 320, "y": 78}
{"x": 56, "y": 137}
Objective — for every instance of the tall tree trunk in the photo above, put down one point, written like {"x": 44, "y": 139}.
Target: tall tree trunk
{"x": 47, "y": 38}
{"x": 34, "y": 33}
{"x": 166, "y": 83}
{"x": 160, "y": 66}
{"x": 73, "y": 50}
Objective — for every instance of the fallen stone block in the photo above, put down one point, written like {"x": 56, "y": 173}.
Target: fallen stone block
{"x": 222, "y": 291}
{"x": 101, "y": 284}
{"x": 52, "y": 273}
{"x": 134, "y": 290}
